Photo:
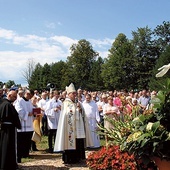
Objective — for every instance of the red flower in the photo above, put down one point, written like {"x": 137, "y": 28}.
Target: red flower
{"x": 111, "y": 158}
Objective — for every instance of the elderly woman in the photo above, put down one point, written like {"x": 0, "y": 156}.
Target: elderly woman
{"x": 110, "y": 111}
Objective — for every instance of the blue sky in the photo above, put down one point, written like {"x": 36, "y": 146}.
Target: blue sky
{"x": 44, "y": 30}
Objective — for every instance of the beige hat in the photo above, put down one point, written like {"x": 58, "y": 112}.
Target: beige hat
{"x": 70, "y": 88}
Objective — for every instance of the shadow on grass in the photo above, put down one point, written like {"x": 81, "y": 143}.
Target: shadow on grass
{"x": 42, "y": 167}
{"x": 51, "y": 167}
{"x": 42, "y": 160}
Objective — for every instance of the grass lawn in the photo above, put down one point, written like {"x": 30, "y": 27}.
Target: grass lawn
{"x": 43, "y": 147}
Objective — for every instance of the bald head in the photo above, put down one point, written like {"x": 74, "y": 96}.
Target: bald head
{"x": 12, "y": 95}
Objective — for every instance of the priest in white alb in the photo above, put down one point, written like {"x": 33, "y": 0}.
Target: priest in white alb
{"x": 92, "y": 113}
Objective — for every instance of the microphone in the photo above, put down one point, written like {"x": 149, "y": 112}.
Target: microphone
{"x": 76, "y": 100}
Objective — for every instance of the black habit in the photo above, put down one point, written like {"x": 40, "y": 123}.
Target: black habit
{"x": 9, "y": 121}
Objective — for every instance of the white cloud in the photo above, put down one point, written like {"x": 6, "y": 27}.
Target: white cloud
{"x": 50, "y": 25}
{"x": 7, "y": 34}
{"x": 41, "y": 49}
{"x": 59, "y": 23}
{"x": 103, "y": 54}
{"x": 101, "y": 43}
{"x": 66, "y": 41}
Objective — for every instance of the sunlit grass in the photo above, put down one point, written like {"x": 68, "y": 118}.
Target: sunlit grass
{"x": 43, "y": 146}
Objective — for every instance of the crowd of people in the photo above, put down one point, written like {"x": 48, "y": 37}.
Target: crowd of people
{"x": 69, "y": 118}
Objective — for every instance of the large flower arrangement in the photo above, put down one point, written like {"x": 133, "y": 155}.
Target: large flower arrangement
{"x": 108, "y": 158}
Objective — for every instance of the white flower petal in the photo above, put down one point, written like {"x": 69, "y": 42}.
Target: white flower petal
{"x": 164, "y": 69}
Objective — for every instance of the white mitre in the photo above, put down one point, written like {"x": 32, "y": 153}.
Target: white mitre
{"x": 163, "y": 70}
{"x": 70, "y": 88}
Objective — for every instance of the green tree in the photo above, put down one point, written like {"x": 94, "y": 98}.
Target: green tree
{"x": 162, "y": 36}
{"x": 57, "y": 70}
{"x": 164, "y": 59}
{"x": 118, "y": 69}
{"x": 1, "y": 84}
{"x": 146, "y": 55}
{"x": 10, "y": 83}
{"x": 67, "y": 75}
{"x": 80, "y": 63}
{"x": 36, "y": 78}
{"x": 47, "y": 75}
{"x": 95, "y": 79}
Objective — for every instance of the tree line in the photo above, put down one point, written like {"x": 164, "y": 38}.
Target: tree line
{"x": 131, "y": 63}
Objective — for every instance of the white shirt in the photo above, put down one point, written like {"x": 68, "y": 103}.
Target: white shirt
{"x": 91, "y": 110}
{"x": 42, "y": 104}
{"x": 52, "y": 116}
{"x": 23, "y": 108}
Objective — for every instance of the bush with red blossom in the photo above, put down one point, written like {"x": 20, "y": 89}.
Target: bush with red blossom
{"x": 110, "y": 157}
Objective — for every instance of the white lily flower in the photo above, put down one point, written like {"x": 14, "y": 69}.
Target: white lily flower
{"x": 163, "y": 70}
{"x": 149, "y": 126}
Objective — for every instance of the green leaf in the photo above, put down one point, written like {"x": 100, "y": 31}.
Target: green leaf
{"x": 142, "y": 118}
{"x": 168, "y": 84}
{"x": 142, "y": 137}
{"x": 155, "y": 126}
{"x": 144, "y": 142}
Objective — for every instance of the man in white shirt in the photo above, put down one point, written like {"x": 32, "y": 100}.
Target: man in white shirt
{"x": 42, "y": 104}
{"x": 52, "y": 111}
{"x": 24, "y": 108}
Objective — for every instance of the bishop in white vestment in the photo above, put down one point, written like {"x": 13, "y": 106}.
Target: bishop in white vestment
{"x": 73, "y": 130}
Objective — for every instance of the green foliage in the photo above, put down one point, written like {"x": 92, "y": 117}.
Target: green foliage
{"x": 120, "y": 65}
{"x": 43, "y": 145}
{"x": 131, "y": 64}
{"x": 95, "y": 79}
{"x": 36, "y": 81}
{"x": 164, "y": 59}
{"x": 42, "y": 75}
{"x": 80, "y": 63}
{"x": 148, "y": 134}
{"x": 1, "y": 84}
{"x": 10, "y": 83}
{"x": 162, "y": 36}
{"x": 146, "y": 55}
{"x": 57, "y": 70}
